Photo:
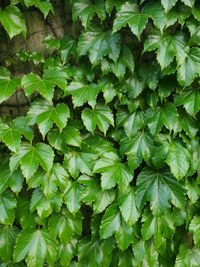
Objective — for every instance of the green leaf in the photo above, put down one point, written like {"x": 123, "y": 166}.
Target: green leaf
{"x": 45, "y": 114}
{"x": 167, "y": 47}
{"x": 100, "y": 116}
{"x": 130, "y": 14}
{"x": 7, "y": 205}
{"x": 137, "y": 148}
{"x": 159, "y": 228}
{"x": 190, "y": 99}
{"x": 77, "y": 161}
{"x": 44, "y": 6}
{"x": 35, "y": 245}
{"x": 82, "y": 93}
{"x": 73, "y": 197}
{"x": 97, "y": 44}
{"x": 190, "y": 68}
{"x": 86, "y": 9}
{"x": 128, "y": 208}
{"x": 45, "y": 85}
{"x": 13, "y": 21}
{"x": 165, "y": 115}
{"x": 195, "y": 229}
{"x": 8, "y": 85}
{"x": 168, "y": 4}
{"x": 67, "y": 252}
{"x": 111, "y": 222}
{"x": 30, "y": 157}
{"x": 188, "y": 257}
{"x": 8, "y": 235}
{"x": 11, "y": 134}
{"x": 65, "y": 226}
{"x": 113, "y": 172}
{"x": 124, "y": 236}
{"x": 159, "y": 188}
{"x": 178, "y": 159}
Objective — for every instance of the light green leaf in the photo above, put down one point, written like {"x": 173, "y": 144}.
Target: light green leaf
{"x": 97, "y": 44}
{"x": 124, "y": 236}
{"x": 45, "y": 85}
{"x": 167, "y": 47}
{"x": 165, "y": 115}
{"x": 44, "y": 6}
{"x": 168, "y": 4}
{"x": 35, "y": 245}
{"x": 8, "y": 235}
{"x": 190, "y": 68}
{"x": 110, "y": 223}
{"x": 11, "y": 134}
{"x": 190, "y": 99}
{"x": 188, "y": 257}
{"x": 159, "y": 228}
{"x": 82, "y": 93}
{"x": 159, "y": 188}
{"x": 137, "y": 148}
{"x": 86, "y": 9}
{"x": 73, "y": 197}
{"x": 13, "y": 21}
{"x": 113, "y": 172}
{"x": 100, "y": 116}
{"x": 178, "y": 159}
{"x": 130, "y": 14}
{"x": 8, "y": 85}
{"x": 128, "y": 208}
{"x": 194, "y": 227}
{"x": 45, "y": 114}
{"x": 7, "y": 205}
{"x": 30, "y": 157}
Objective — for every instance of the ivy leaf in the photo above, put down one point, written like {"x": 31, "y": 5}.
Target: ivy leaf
{"x": 13, "y": 21}
{"x": 137, "y": 148}
{"x": 159, "y": 228}
{"x": 30, "y": 157}
{"x": 190, "y": 99}
{"x": 167, "y": 47}
{"x": 98, "y": 44}
{"x": 35, "y": 245}
{"x": 86, "y": 9}
{"x": 8, "y": 235}
{"x": 165, "y": 115}
{"x": 77, "y": 161}
{"x": 168, "y": 4}
{"x": 110, "y": 223}
{"x": 50, "y": 181}
{"x": 67, "y": 252}
{"x": 159, "y": 189}
{"x": 45, "y": 85}
{"x": 73, "y": 197}
{"x": 130, "y": 14}
{"x": 188, "y": 257}
{"x": 178, "y": 159}
{"x": 45, "y": 114}
{"x": 195, "y": 229}
{"x": 190, "y": 68}
{"x": 128, "y": 208}
{"x": 65, "y": 226}
{"x": 44, "y": 6}
{"x": 11, "y": 135}
{"x": 8, "y": 85}
{"x": 100, "y": 116}
{"x": 7, "y": 205}
{"x": 124, "y": 236}
{"x": 82, "y": 93}
{"x": 113, "y": 172}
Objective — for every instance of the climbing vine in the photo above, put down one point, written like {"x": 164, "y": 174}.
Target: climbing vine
{"x": 103, "y": 168}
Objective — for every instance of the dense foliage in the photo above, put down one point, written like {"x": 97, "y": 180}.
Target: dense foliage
{"x": 104, "y": 169}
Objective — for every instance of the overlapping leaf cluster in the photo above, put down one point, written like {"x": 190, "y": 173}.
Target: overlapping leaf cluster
{"x": 104, "y": 168}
